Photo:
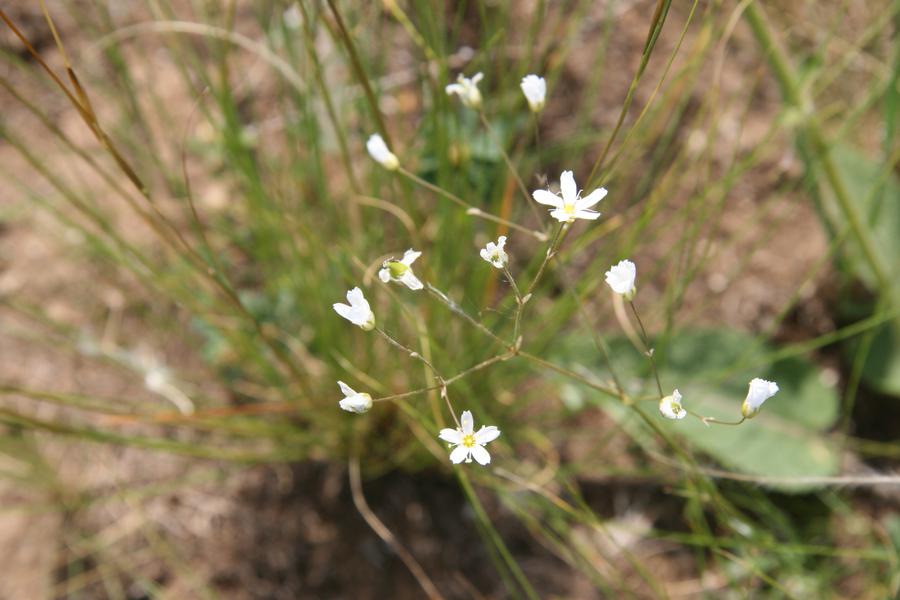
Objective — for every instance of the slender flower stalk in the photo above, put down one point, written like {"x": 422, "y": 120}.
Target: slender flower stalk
{"x": 470, "y": 209}
{"x": 648, "y": 351}
{"x": 506, "y": 158}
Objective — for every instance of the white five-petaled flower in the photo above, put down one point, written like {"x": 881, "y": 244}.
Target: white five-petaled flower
{"x": 401, "y": 271}
{"x": 760, "y": 391}
{"x": 467, "y": 90}
{"x": 495, "y": 254}
{"x": 355, "y": 402}
{"x": 671, "y": 408}
{"x": 358, "y": 312}
{"x": 571, "y": 205}
{"x": 381, "y": 153}
{"x": 535, "y": 90}
{"x": 621, "y": 278}
{"x": 469, "y": 443}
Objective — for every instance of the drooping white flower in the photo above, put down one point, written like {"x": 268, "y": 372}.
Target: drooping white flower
{"x": 355, "y": 402}
{"x": 671, "y": 408}
{"x": 621, "y": 278}
{"x": 570, "y": 205}
{"x": 401, "y": 271}
{"x": 760, "y": 391}
{"x": 535, "y": 90}
{"x": 358, "y": 312}
{"x": 467, "y": 90}
{"x": 381, "y": 153}
{"x": 469, "y": 443}
{"x": 495, "y": 254}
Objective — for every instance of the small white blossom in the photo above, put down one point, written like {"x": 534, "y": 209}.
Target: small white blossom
{"x": 358, "y": 312}
{"x": 467, "y": 90}
{"x": 671, "y": 408}
{"x": 469, "y": 443}
{"x": 535, "y": 90}
{"x": 355, "y": 402}
{"x": 621, "y": 278}
{"x": 401, "y": 271}
{"x": 570, "y": 205}
{"x": 760, "y": 391}
{"x": 380, "y": 152}
{"x": 495, "y": 254}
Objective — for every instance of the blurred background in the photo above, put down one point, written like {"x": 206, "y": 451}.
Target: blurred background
{"x": 185, "y": 192}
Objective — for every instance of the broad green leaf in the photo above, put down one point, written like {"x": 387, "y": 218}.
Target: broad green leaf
{"x": 787, "y": 438}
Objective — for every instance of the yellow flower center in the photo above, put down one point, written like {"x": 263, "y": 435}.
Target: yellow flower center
{"x": 469, "y": 441}
{"x": 569, "y": 208}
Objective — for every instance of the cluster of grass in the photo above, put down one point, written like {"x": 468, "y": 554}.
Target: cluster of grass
{"x": 275, "y": 101}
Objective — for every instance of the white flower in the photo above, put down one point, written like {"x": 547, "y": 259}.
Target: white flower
{"x": 535, "y": 90}
{"x": 760, "y": 391}
{"x": 467, "y": 90}
{"x": 355, "y": 402}
{"x": 400, "y": 270}
{"x": 495, "y": 254}
{"x": 571, "y": 205}
{"x": 621, "y": 277}
{"x": 358, "y": 312}
{"x": 671, "y": 408}
{"x": 380, "y": 152}
{"x": 469, "y": 443}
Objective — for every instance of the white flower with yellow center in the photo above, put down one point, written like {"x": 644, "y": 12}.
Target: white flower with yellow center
{"x": 760, "y": 391}
{"x": 621, "y": 278}
{"x": 570, "y": 205}
{"x": 535, "y": 90}
{"x": 671, "y": 408}
{"x": 467, "y": 90}
{"x": 380, "y": 152}
{"x": 355, "y": 402}
{"x": 358, "y": 312}
{"x": 401, "y": 270}
{"x": 495, "y": 254}
{"x": 469, "y": 443}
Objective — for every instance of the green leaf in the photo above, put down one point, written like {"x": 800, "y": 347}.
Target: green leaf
{"x": 786, "y": 439}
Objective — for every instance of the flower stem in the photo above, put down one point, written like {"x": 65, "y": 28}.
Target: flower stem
{"x": 519, "y": 303}
{"x": 473, "y": 211}
{"x": 509, "y": 164}
{"x": 457, "y": 309}
{"x": 647, "y": 349}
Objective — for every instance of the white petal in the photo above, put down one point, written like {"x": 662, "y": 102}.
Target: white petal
{"x": 591, "y": 199}
{"x": 477, "y": 77}
{"x": 567, "y": 187}
{"x": 356, "y": 299}
{"x": 345, "y": 311}
{"x": 547, "y": 198}
{"x": 486, "y": 254}
{"x": 452, "y": 436}
{"x": 480, "y": 454}
{"x": 459, "y": 454}
{"x": 454, "y": 88}
{"x": 501, "y": 242}
{"x": 346, "y": 389}
{"x": 587, "y": 214}
{"x": 411, "y": 281}
{"x": 410, "y": 256}
{"x": 487, "y": 434}
{"x": 467, "y": 422}
{"x": 560, "y": 215}
{"x": 384, "y": 275}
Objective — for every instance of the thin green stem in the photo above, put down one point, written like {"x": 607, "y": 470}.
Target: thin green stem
{"x": 647, "y": 349}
